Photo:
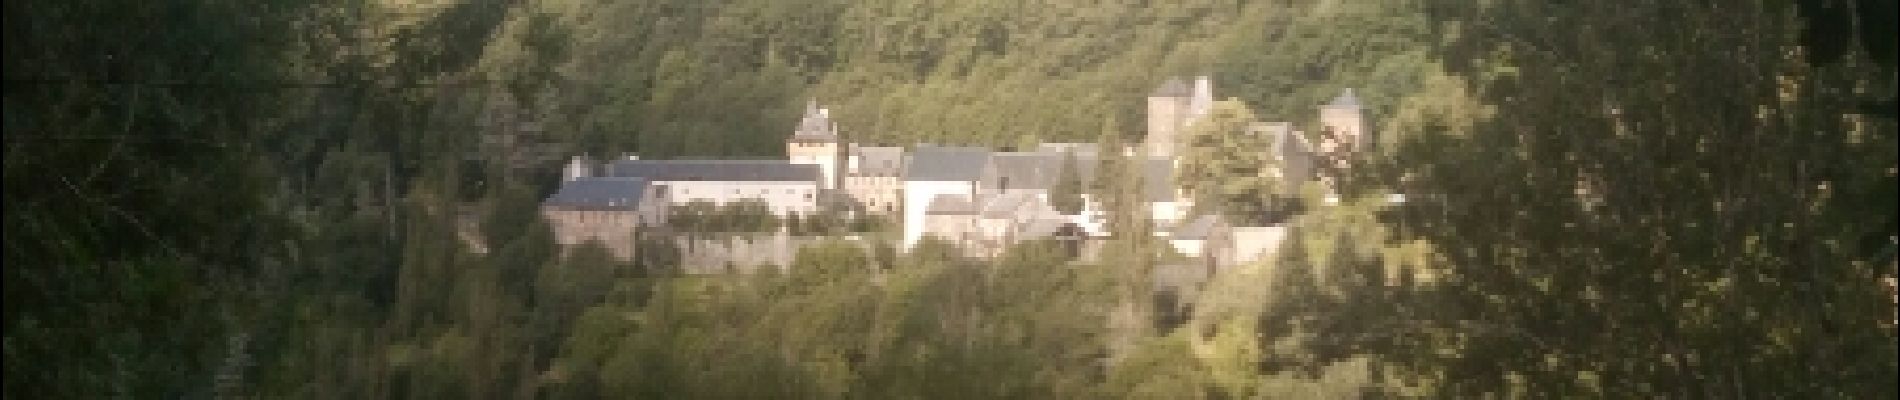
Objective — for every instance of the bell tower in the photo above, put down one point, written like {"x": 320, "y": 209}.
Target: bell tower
{"x": 815, "y": 141}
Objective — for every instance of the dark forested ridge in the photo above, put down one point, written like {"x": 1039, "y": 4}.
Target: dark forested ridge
{"x": 338, "y": 199}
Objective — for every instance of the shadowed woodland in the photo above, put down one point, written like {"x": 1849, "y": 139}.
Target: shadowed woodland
{"x": 1622, "y": 199}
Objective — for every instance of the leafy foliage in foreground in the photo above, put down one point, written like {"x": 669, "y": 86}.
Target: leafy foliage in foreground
{"x": 291, "y": 199}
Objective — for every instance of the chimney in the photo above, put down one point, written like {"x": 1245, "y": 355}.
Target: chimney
{"x": 1203, "y": 97}
{"x": 576, "y": 169}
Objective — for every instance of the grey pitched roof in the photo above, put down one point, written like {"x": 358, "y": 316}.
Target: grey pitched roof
{"x": 1345, "y": 99}
{"x": 946, "y": 164}
{"x": 1174, "y": 87}
{"x": 950, "y": 204}
{"x": 1034, "y": 170}
{"x": 1199, "y": 229}
{"x": 1081, "y": 150}
{"x": 880, "y": 160}
{"x": 599, "y": 193}
{"x": 714, "y": 170}
{"x": 1021, "y": 171}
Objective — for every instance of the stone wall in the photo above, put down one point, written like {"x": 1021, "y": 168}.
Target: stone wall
{"x": 742, "y": 253}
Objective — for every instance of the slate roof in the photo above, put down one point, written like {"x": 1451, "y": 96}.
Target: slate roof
{"x": 1021, "y": 171}
{"x": 714, "y": 170}
{"x": 1199, "y": 229}
{"x": 1174, "y": 87}
{"x": 880, "y": 161}
{"x": 950, "y": 204}
{"x": 815, "y": 124}
{"x": 1081, "y": 150}
{"x": 1034, "y": 170}
{"x": 1345, "y": 99}
{"x": 599, "y": 194}
{"x": 946, "y": 164}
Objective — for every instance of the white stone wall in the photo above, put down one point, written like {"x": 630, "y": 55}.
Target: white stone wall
{"x": 964, "y": 230}
{"x": 917, "y": 195}
{"x": 783, "y": 197}
{"x": 1256, "y": 243}
{"x": 822, "y": 154}
{"x": 1188, "y": 247}
{"x": 1167, "y": 213}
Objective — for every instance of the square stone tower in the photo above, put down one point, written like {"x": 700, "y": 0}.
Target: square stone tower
{"x": 816, "y": 142}
{"x": 1168, "y": 108}
{"x": 1172, "y": 108}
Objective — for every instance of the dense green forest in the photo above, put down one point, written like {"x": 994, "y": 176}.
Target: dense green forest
{"x": 303, "y": 199}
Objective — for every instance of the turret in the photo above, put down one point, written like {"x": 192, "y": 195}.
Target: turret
{"x": 815, "y": 141}
{"x": 1344, "y": 120}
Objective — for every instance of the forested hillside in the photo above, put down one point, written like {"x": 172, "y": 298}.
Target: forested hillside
{"x": 338, "y": 199}
{"x": 669, "y": 78}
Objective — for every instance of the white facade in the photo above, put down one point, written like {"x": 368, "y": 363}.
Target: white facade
{"x": 783, "y": 197}
{"x": 1167, "y": 213}
{"x": 917, "y": 196}
{"x": 1188, "y": 247}
{"x": 820, "y": 153}
{"x": 1252, "y": 244}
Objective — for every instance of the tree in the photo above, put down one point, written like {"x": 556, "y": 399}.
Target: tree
{"x": 149, "y": 208}
{"x": 565, "y": 289}
{"x": 697, "y": 216}
{"x": 1066, "y": 196}
{"x": 829, "y": 261}
{"x": 1231, "y": 170}
{"x": 1601, "y": 239}
{"x": 1120, "y": 181}
{"x": 749, "y": 215}
{"x": 519, "y": 239}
